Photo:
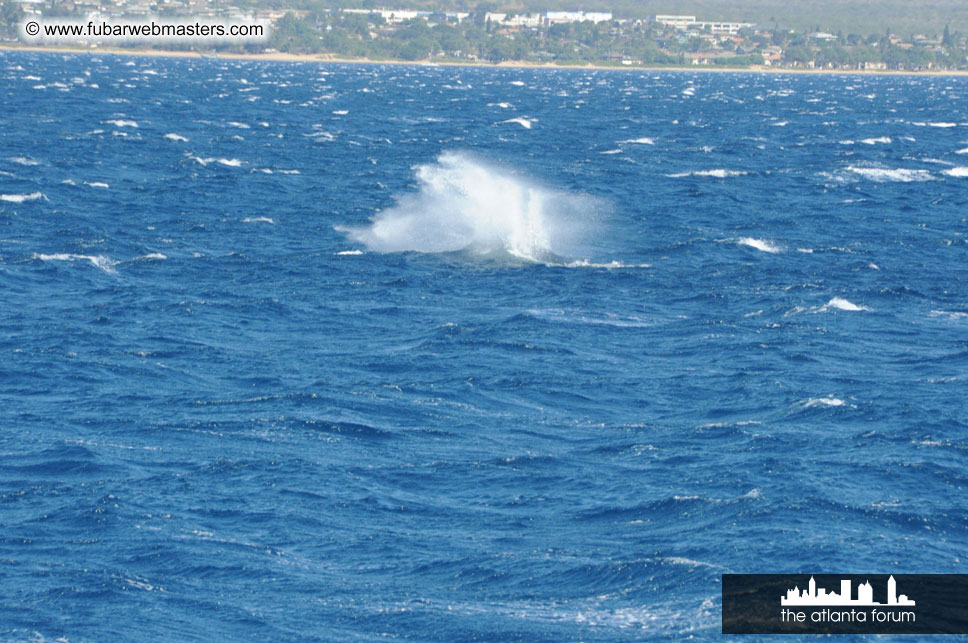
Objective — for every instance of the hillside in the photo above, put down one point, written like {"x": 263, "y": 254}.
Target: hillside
{"x": 849, "y": 16}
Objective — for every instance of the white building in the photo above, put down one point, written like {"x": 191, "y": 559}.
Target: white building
{"x": 725, "y": 27}
{"x": 521, "y": 20}
{"x": 562, "y": 17}
{"x": 684, "y": 23}
{"x": 678, "y": 22}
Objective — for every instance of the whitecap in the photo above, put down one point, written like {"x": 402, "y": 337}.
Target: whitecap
{"x": 257, "y": 220}
{"x": 98, "y": 261}
{"x": 616, "y": 151}
{"x": 523, "y": 122}
{"x": 950, "y": 315}
{"x": 23, "y": 160}
{"x": 96, "y": 184}
{"x": 227, "y": 162}
{"x": 640, "y": 141}
{"x": 344, "y": 253}
{"x": 122, "y": 123}
{"x": 829, "y": 401}
{"x": 176, "y": 138}
{"x": 839, "y": 303}
{"x": 882, "y": 175}
{"x": 958, "y": 172}
{"x": 874, "y": 141}
{"x": 760, "y": 244}
{"x": 611, "y": 265}
{"x": 20, "y": 198}
{"x": 236, "y": 124}
{"x": 718, "y": 173}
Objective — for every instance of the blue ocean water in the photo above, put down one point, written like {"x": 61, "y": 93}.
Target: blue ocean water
{"x": 336, "y": 352}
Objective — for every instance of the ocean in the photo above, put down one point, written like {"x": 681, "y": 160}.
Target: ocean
{"x": 367, "y": 352}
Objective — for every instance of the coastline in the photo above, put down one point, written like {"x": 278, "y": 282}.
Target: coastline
{"x": 330, "y": 58}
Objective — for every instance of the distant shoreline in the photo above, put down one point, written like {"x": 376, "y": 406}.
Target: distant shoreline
{"x": 329, "y": 58}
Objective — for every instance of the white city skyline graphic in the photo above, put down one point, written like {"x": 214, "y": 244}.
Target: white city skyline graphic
{"x": 814, "y": 595}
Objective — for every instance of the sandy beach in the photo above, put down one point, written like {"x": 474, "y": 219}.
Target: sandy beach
{"x": 330, "y": 58}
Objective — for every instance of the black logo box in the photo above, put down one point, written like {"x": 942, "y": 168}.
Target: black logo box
{"x": 751, "y": 604}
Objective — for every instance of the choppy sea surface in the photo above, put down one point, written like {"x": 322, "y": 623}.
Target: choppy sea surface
{"x": 335, "y": 352}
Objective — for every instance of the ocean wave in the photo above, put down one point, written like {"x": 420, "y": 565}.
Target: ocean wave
{"x": 258, "y": 220}
{"x": 875, "y": 141}
{"x": 176, "y": 138}
{"x": 839, "y": 303}
{"x": 951, "y": 315}
{"x": 20, "y": 198}
{"x": 760, "y": 244}
{"x": 117, "y": 122}
{"x": 98, "y": 261}
{"x": 23, "y": 160}
{"x": 610, "y": 265}
{"x": 825, "y": 402}
{"x": 718, "y": 173}
{"x": 645, "y": 140}
{"x": 221, "y": 161}
{"x": 960, "y": 172}
{"x": 268, "y": 170}
{"x": 885, "y": 175}
{"x": 523, "y": 122}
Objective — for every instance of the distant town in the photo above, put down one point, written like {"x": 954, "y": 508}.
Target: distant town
{"x": 561, "y": 37}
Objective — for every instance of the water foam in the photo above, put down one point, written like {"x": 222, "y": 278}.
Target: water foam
{"x": 883, "y": 175}
{"x": 829, "y": 401}
{"x": 960, "y": 172}
{"x": 226, "y": 162}
{"x": 839, "y": 303}
{"x": 20, "y": 198}
{"x": 718, "y": 174}
{"x": 23, "y": 160}
{"x": 176, "y": 137}
{"x": 760, "y": 244}
{"x": 523, "y": 122}
{"x": 466, "y": 204}
{"x": 98, "y": 261}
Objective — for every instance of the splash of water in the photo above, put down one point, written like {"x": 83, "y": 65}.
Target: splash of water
{"x": 465, "y": 204}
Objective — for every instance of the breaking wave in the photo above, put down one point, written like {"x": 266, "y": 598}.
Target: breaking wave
{"x": 20, "y": 198}
{"x": 465, "y": 204}
{"x": 718, "y": 174}
{"x": 839, "y": 303}
{"x": 960, "y": 172}
{"x": 884, "y": 175}
{"x": 760, "y": 244}
{"x": 98, "y": 261}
